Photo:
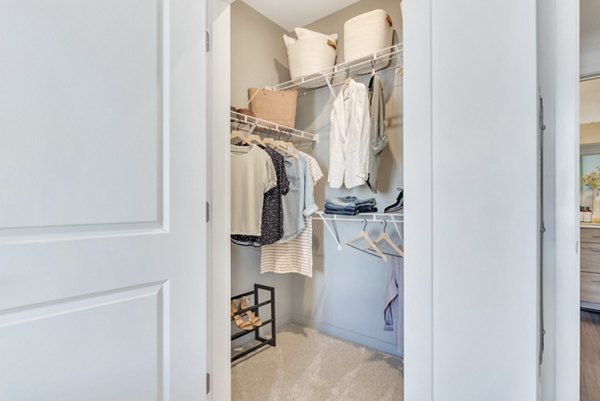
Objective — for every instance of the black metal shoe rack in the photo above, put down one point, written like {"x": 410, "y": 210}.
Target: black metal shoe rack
{"x": 255, "y": 308}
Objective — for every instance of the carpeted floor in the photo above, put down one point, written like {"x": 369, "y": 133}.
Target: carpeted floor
{"x": 309, "y": 366}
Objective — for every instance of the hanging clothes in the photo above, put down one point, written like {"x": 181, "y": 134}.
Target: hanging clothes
{"x": 296, "y": 255}
{"x": 272, "y": 216}
{"x": 350, "y": 137}
{"x": 393, "y": 313}
{"x": 252, "y": 175}
{"x": 379, "y": 139}
{"x": 299, "y": 201}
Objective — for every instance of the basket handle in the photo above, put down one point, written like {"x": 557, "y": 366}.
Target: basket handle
{"x": 389, "y": 20}
{"x": 253, "y": 96}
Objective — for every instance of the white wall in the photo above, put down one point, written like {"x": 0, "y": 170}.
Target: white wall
{"x": 559, "y": 73}
{"x": 346, "y": 295}
{"x": 418, "y": 277}
{"x": 483, "y": 195}
{"x": 547, "y": 77}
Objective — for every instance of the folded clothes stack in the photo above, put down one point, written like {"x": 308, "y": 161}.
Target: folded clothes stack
{"x": 350, "y": 206}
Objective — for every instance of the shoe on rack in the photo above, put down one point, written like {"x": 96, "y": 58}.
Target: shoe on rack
{"x": 239, "y": 322}
{"x": 252, "y": 318}
{"x": 398, "y": 205}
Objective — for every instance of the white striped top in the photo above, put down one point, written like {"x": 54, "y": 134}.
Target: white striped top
{"x": 295, "y": 256}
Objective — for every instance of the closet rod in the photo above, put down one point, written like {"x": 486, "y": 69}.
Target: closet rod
{"x": 330, "y": 219}
{"x": 341, "y": 71}
{"x": 267, "y": 127}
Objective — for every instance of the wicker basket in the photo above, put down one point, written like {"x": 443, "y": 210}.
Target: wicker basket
{"x": 278, "y": 107}
{"x": 311, "y": 53}
{"x": 366, "y": 34}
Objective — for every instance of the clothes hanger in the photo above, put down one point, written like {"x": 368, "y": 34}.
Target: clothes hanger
{"x": 279, "y": 146}
{"x": 364, "y": 235}
{"x": 291, "y": 150}
{"x": 385, "y": 237}
{"x": 255, "y": 138}
{"x": 238, "y": 135}
{"x": 253, "y": 127}
{"x": 348, "y": 78}
{"x": 288, "y": 147}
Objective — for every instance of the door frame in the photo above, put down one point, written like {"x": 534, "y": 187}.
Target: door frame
{"x": 566, "y": 121}
{"x": 418, "y": 379}
{"x": 219, "y": 275}
{"x": 559, "y": 75}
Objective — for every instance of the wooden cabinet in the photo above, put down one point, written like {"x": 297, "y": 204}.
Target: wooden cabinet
{"x": 590, "y": 267}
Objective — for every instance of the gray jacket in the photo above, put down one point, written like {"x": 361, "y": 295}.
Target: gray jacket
{"x": 379, "y": 139}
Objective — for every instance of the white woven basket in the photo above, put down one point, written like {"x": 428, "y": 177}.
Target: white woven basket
{"x": 366, "y": 34}
{"x": 313, "y": 52}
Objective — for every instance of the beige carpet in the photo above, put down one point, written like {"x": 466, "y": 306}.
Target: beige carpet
{"x": 309, "y": 366}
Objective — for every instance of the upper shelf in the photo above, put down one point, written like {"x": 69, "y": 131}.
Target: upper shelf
{"x": 390, "y": 57}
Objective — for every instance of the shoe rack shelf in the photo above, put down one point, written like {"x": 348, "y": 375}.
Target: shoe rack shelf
{"x": 262, "y": 342}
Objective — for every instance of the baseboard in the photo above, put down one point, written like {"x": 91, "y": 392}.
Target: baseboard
{"x": 590, "y": 306}
{"x": 347, "y": 335}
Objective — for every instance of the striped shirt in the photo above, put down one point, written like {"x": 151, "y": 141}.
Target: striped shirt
{"x": 295, "y": 256}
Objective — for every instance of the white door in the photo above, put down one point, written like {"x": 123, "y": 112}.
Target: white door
{"x": 102, "y": 200}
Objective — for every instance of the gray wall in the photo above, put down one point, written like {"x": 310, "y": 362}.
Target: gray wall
{"x": 258, "y": 54}
{"x": 346, "y": 295}
{"x": 258, "y": 58}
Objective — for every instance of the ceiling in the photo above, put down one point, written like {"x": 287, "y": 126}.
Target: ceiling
{"x": 290, "y": 14}
{"x": 590, "y": 101}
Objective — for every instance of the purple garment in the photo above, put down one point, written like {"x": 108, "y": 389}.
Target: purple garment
{"x": 393, "y": 313}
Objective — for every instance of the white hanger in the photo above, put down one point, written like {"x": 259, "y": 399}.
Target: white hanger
{"x": 283, "y": 147}
{"x": 384, "y": 237}
{"x": 364, "y": 235}
{"x": 255, "y": 138}
{"x": 240, "y": 136}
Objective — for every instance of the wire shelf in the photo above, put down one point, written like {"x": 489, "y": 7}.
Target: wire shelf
{"x": 390, "y": 57}
{"x": 302, "y": 140}
{"x": 274, "y": 129}
{"x": 376, "y": 217}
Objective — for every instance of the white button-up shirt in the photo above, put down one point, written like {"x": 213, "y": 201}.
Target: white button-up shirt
{"x": 350, "y": 137}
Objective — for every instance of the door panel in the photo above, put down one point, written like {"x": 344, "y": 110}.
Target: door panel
{"x": 102, "y": 207}
{"x": 124, "y": 334}
{"x": 81, "y": 107}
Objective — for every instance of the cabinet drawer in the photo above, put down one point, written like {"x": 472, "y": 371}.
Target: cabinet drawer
{"x": 590, "y": 235}
{"x": 590, "y": 287}
{"x": 590, "y": 258}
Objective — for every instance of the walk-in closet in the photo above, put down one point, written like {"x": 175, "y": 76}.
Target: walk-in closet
{"x": 317, "y": 202}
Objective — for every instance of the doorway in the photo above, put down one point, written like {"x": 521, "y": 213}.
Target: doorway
{"x": 589, "y": 166}
{"x": 227, "y": 282}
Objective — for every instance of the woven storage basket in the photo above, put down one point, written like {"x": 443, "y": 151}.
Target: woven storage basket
{"x": 311, "y": 53}
{"x": 367, "y": 33}
{"x": 278, "y": 107}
